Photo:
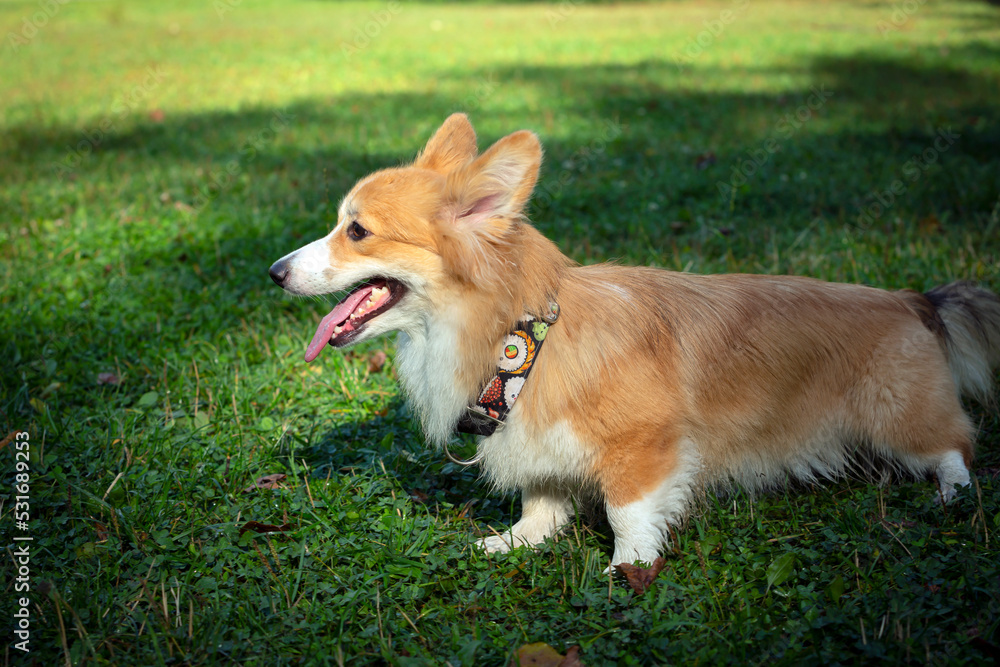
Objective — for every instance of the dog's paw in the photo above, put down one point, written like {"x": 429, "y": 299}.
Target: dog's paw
{"x": 947, "y": 494}
{"x": 944, "y": 496}
{"x": 951, "y": 473}
{"x": 495, "y": 544}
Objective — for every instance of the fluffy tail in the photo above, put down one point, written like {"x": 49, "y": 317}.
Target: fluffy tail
{"x": 971, "y": 319}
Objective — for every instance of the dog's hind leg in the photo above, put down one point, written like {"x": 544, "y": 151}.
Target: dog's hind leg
{"x": 951, "y": 472}
{"x": 935, "y": 439}
{"x": 907, "y": 406}
{"x": 544, "y": 510}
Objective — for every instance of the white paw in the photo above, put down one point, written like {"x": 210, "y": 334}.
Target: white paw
{"x": 506, "y": 541}
{"x": 951, "y": 472}
{"x": 946, "y": 494}
{"x": 633, "y": 555}
{"x": 495, "y": 544}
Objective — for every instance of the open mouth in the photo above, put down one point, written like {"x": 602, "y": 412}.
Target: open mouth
{"x": 348, "y": 318}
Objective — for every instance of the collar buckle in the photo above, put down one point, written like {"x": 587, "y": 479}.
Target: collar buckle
{"x": 553, "y": 313}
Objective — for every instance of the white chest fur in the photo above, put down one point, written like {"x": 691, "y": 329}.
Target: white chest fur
{"x": 516, "y": 456}
{"x": 427, "y": 363}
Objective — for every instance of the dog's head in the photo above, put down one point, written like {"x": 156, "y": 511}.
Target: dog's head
{"x": 413, "y": 238}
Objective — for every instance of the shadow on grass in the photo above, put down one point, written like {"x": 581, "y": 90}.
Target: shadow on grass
{"x": 392, "y": 444}
{"x": 877, "y": 111}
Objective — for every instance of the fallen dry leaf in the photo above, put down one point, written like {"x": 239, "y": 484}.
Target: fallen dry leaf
{"x": 101, "y": 530}
{"x": 376, "y": 362}
{"x": 258, "y": 527}
{"x": 930, "y": 224}
{"x": 108, "y": 378}
{"x": 641, "y": 578}
{"x": 541, "y": 654}
{"x": 6, "y": 441}
{"x": 704, "y": 161}
{"x": 267, "y": 482}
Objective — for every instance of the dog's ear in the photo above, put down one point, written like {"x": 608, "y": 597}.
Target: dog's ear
{"x": 453, "y": 145}
{"x": 498, "y": 183}
{"x": 483, "y": 202}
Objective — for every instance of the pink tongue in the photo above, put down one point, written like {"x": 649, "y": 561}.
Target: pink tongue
{"x": 339, "y": 314}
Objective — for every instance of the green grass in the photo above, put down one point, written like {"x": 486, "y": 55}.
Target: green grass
{"x": 142, "y": 256}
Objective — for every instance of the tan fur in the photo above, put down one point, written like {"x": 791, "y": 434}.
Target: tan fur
{"x": 752, "y": 367}
{"x": 660, "y": 378}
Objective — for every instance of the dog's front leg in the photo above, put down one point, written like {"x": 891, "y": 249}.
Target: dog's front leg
{"x": 544, "y": 510}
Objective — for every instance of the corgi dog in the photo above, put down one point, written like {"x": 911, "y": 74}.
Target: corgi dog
{"x": 651, "y": 385}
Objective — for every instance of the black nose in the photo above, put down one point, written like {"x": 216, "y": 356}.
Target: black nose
{"x": 279, "y": 273}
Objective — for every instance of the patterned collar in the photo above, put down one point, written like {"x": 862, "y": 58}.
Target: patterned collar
{"x": 520, "y": 348}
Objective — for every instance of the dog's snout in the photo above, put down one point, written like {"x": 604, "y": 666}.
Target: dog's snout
{"x": 279, "y": 272}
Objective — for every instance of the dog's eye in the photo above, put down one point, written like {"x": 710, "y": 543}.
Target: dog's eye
{"x": 356, "y": 231}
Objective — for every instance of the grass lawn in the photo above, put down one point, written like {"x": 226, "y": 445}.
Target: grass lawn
{"x": 155, "y": 158}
